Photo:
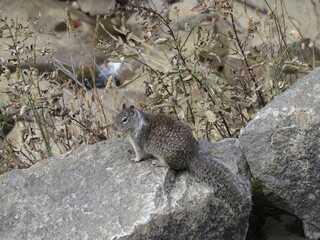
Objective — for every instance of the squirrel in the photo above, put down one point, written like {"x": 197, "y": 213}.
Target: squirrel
{"x": 172, "y": 142}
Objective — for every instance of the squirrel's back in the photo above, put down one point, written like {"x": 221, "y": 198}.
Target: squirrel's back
{"x": 169, "y": 139}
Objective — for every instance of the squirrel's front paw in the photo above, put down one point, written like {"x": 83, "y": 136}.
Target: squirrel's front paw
{"x": 158, "y": 163}
{"x": 136, "y": 159}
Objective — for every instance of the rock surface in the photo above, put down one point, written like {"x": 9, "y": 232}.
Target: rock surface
{"x": 95, "y": 192}
{"x": 97, "y": 7}
{"x": 296, "y": 14}
{"x": 282, "y": 147}
{"x": 52, "y": 16}
{"x": 286, "y": 227}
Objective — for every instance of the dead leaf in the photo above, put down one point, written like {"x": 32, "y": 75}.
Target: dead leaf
{"x": 197, "y": 8}
{"x": 210, "y": 116}
{"x": 129, "y": 35}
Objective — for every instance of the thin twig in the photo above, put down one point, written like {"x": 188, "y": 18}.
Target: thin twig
{"x": 245, "y": 60}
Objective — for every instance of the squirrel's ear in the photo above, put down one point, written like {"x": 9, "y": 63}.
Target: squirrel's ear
{"x": 131, "y": 109}
{"x": 124, "y": 106}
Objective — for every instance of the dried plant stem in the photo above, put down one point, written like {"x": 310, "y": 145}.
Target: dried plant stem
{"x": 245, "y": 60}
{"x": 188, "y": 102}
{"x": 281, "y": 34}
{"x": 225, "y": 124}
{"x": 41, "y": 124}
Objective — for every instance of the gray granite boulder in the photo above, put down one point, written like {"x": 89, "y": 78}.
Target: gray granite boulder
{"x": 282, "y": 147}
{"x": 95, "y": 192}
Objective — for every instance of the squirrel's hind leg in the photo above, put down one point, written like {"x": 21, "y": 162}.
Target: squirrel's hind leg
{"x": 159, "y": 163}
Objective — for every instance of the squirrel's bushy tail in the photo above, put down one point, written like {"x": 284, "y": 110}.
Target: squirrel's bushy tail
{"x": 225, "y": 184}
{"x": 217, "y": 175}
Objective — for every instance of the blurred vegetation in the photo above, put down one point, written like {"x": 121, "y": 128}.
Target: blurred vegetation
{"x": 190, "y": 83}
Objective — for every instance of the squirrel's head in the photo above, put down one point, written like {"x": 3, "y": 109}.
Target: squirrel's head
{"x": 126, "y": 119}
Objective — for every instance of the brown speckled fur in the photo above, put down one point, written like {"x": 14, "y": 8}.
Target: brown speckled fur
{"x": 162, "y": 136}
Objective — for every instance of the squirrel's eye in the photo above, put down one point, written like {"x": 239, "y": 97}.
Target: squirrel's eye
{"x": 124, "y": 119}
